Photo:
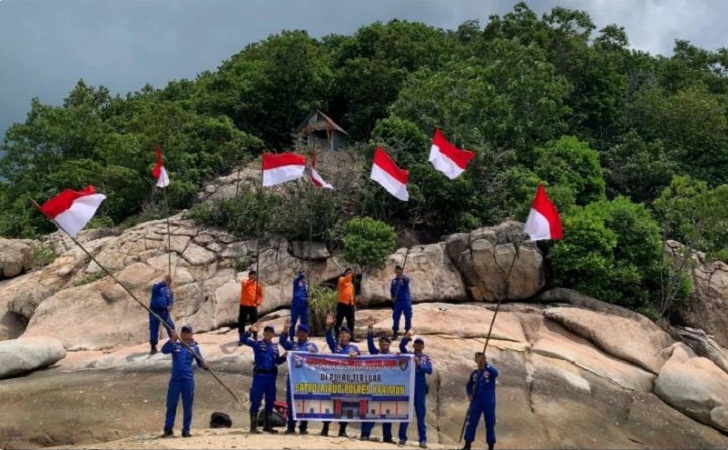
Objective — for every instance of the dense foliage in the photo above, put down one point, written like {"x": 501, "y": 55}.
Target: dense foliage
{"x": 632, "y": 147}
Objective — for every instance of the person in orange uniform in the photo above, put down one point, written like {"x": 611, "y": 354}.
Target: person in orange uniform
{"x": 345, "y": 305}
{"x": 251, "y": 296}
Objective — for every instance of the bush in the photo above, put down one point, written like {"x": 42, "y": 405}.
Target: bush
{"x": 612, "y": 251}
{"x": 321, "y": 302}
{"x": 43, "y": 255}
{"x": 368, "y": 242}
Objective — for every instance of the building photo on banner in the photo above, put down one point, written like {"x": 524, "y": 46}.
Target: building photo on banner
{"x": 362, "y": 389}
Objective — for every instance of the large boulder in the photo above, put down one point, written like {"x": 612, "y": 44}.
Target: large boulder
{"x": 707, "y": 306}
{"x": 703, "y": 345}
{"x": 16, "y": 257}
{"x": 498, "y": 262}
{"x": 20, "y": 356}
{"x": 695, "y": 386}
{"x": 434, "y": 276}
{"x": 639, "y": 343}
{"x": 11, "y": 324}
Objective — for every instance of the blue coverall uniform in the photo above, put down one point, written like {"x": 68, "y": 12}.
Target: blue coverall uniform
{"x": 340, "y": 350}
{"x": 425, "y": 368}
{"x": 181, "y": 383}
{"x": 264, "y": 373}
{"x": 366, "y": 427}
{"x": 483, "y": 402}
{"x": 299, "y": 304}
{"x": 162, "y": 299}
{"x": 400, "y": 294}
{"x": 295, "y": 346}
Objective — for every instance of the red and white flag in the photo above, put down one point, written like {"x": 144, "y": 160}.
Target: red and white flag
{"x": 447, "y": 158}
{"x": 315, "y": 176}
{"x": 159, "y": 172}
{"x": 543, "y": 221}
{"x": 391, "y": 177}
{"x": 72, "y": 210}
{"x": 281, "y": 167}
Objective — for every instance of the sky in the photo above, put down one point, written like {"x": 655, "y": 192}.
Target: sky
{"x": 46, "y": 46}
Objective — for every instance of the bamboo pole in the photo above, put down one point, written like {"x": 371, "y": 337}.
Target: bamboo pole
{"x": 490, "y": 330}
{"x": 166, "y": 325}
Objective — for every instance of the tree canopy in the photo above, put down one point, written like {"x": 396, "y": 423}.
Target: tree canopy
{"x": 617, "y": 135}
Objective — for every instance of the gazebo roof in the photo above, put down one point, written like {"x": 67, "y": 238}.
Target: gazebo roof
{"x": 325, "y": 124}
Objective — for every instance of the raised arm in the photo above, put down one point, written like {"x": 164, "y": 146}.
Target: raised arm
{"x": 246, "y": 337}
{"x": 330, "y": 341}
{"x": 492, "y": 371}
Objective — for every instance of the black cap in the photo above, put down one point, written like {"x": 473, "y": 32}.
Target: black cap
{"x": 344, "y": 329}
{"x": 269, "y": 328}
{"x": 252, "y": 272}
{"x": 384, "y": 338}
{"x": 398, "y": 267}
{"x": 186, "y": 329}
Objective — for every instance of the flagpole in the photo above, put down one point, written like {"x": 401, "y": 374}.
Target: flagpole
{"x": 490, "y": 330}
{"x": 164, "y": 322}
{"x": 169, "y": 236}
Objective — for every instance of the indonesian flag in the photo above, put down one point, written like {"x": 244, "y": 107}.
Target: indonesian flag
{"x": 281, "y": 167}
{"x": 543, "y": 221}
{"x": 72, "y": 210}
{"x": 315, "y": 177}
{"x": 391, "y": 177}
{"x": 159, "y": 172}
{"x": 447, "y": 158}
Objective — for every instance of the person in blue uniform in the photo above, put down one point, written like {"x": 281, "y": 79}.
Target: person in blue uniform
{"x": 182, "y": 382}
{"x": 341, "y": 347}
{"x": 299, "y": 303}
{"x": 384, "y": 343}
{"x": 301, "y": 345}
{"x": 481, "y": 394}
{"x": 423, "y": 367}
{"x": 161, "y": 304}
{"x": 265, "y": 372}
{"x": 399, "y": 291}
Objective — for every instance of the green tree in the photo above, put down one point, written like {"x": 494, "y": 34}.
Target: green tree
{"x": 697, "y": 216}
{"x": 570, "y": 163}
{"x": 611, "y": 250}
{"x": 368, "y": 242}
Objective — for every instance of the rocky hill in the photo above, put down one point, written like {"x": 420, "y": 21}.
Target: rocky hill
{"x": 575, "y": 372}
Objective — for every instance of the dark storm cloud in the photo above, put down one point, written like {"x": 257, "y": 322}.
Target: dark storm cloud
{"x": 46, "y": 46}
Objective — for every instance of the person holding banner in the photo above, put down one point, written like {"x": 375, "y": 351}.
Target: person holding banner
{"x": 299, "y": 303}
{"x": 400, "y": 293}
{"x": 481, "y": 394}
{"x": 423, "y": 367}
{"x": 342, "y": 347}
{"x": 384, "y": 342}
{"x": 265, "y": 372}
{"x": 161, "y": 303}
{"x": 302, "y": 345}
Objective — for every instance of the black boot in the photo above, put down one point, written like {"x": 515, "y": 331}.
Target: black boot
{"x": 254, "y": 423}
{"x": 325, "y": 429}
{"x": 491, "y": 446}
{"x": 467, "y": 445}
{"x": 342, "y": 429}
{"x": 152, "y": 349}
{"x": 266, "y": 424}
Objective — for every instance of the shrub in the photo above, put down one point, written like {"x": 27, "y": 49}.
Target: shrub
{"x": 612, "y": 251}
{"x": 321, "y": 302}
{"x": 368, "y": 242}
{"x": 43, "y": 255}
